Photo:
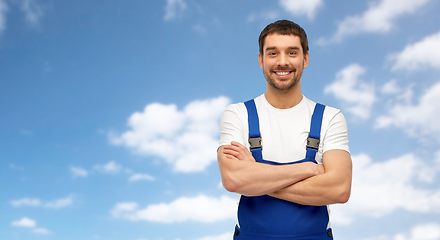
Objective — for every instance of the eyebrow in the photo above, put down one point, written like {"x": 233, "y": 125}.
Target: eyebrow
{"x": 274, "y": 48}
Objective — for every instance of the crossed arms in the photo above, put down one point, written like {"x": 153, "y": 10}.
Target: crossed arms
{"x": 304, "y": 183}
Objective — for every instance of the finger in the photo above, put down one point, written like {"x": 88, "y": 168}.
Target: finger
{"x": 240, "y": 146}
{"x": 233, "y": 153}
{"x": 230, "y": 151}
{"x": 231, "y": 157}
{"x": 233, "y": 148}
{"x": 237, "y": 144}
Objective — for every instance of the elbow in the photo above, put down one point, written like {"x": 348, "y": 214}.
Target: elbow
{"x": 229, "y": 184}
{"x": 343, "y": 195}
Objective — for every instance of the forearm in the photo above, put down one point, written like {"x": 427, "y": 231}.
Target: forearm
{"x": 333, "y": 186}
{"x": 251, "y": 178}
{"x": 317, "y": 190}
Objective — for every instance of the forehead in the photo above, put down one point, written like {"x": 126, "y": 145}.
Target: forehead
{"x": 276, "y": 40}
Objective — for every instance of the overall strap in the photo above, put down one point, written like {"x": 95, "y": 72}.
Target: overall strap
{"x": 254, "y": 130}
{"x": 315, "y": 132}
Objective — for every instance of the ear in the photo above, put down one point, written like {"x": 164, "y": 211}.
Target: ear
{"x": 260, "y": 60}
{"x": 306, "y": 60}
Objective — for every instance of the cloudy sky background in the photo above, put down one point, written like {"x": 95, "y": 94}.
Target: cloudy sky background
{"x": 109, "y": 113}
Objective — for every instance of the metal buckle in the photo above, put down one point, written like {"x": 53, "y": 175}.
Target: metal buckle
{"x": 312, "y": 143}
{"x": 255, "y": 143}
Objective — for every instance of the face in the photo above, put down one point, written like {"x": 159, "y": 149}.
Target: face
{"x": 283, "y": 61}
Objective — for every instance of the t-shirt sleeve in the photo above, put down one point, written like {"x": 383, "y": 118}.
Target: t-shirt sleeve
{"x": 336, "y": 136}
{"x": 231, "y": 126}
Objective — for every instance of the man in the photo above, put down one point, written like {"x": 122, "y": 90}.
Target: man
{"x": 289, "y": 177}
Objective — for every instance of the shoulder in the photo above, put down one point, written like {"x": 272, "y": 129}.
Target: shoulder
{"x": 332, "y": 118}
{"x": 331, "y": 113}
{"x": 235, "y": 109}
{"x": 334, "y": 133}
{"x": 234, "y": 124}
{"x": 234, "y": 113}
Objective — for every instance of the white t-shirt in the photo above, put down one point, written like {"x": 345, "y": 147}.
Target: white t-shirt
{"x": 284, "y": 132}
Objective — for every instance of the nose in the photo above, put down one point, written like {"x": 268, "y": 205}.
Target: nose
{"x": 283, "y": 59}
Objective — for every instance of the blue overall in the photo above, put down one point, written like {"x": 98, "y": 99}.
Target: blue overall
{"x": 265, "y": 217}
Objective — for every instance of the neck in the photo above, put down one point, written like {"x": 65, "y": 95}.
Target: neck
{"x": 283, "y": 99}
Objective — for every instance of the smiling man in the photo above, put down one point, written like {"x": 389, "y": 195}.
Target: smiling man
{"x": 286, "y": 156}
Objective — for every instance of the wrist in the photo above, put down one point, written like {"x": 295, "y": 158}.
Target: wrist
{"x": 310, "y": 169}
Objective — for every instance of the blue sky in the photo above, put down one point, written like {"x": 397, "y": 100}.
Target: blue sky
{"x": 109, "y": 113}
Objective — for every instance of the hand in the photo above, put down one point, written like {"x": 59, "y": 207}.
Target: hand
{"x": 320, "y": 169}
{"x": 238, "y": 152}
{"x": 314, "y": 168}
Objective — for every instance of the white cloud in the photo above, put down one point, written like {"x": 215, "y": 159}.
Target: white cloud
{"x": 174, "y": 8}
{"x": 224, "y": 236}
{"x": 32, "y": 11}
{"x": 199, "y": 28}
{"x": 397, "y": 93}
{"x": 301, "y": 7}
{"x": 420, "y": 119}
{"x": 187, "y": 139}
{"x": 78, "y": 172}
{"x": 140, "y": 176}
{"x": 357, "y": 95}
{"x": 120, "y": 208}
{"x": 265, "y": 16}
{"x": 59, "y": 203}
{"x": 294, "y": 7}
{"x": 428, "y": 231}
{"x": 41, "y": 231}
{"x": 425, "y": 53}
{"x": 110, "y": 168}
{"x": 390, "y": 87}
{"x": 380, "y": 188}
{"x": 3, "y": 9}
{"x": 437, "y": 161}
{"x": 198, "y": 209}
{"x": 30, "y": 223}
{"x": 379, "y": 18}
{"x": 35, "y": 202}
{"x": 24, "y": 222}
{"x": 26, "y": 202}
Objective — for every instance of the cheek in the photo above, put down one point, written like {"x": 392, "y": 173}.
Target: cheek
{"x": 299, "y": 64}
{"x": 263, "y": 66}
{"x": 266, "y": 65}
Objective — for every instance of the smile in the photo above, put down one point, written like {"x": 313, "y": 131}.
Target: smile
{"x": 283, "y": 73}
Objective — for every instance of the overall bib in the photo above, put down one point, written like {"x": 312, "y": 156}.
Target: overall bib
{"x": 265, "y": 217}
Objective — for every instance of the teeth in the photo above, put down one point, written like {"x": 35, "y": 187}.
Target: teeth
{"x": 282, "y": 73}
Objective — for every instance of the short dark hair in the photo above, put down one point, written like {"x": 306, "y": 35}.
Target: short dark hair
{"x": 284, "y": 27}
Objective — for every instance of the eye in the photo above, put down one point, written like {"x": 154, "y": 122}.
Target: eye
{"x": 292, "y": 53}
